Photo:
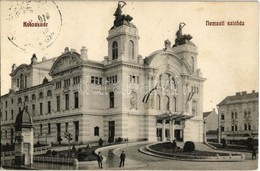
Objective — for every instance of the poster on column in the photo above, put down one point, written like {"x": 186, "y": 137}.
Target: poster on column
{"x": 146, "y": 74}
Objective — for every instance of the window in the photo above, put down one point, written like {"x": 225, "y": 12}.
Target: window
{"x": 25, "y": 81}
{"x": 49, "y": 93}
{"x": 49, "y": 128}
{"x": 76, "y": 100}
{"x": 96, "y": 131}
{"x": 41, "y": 95}
{"x": 76, "y": 80}
{"x": 245, "y": 127}
{"x": 33, "y": 97}
{"x": 232, "y": 127}
{"x": 222, "y": 116}
{"x": 26, "y": 98}
{"x": 66, "y": 127}
{"x": 49, "y": 106}
{"x": 232, "y": 115}
{"x": 222, "y": 128}
{"x": 66, "y": 83}
{"x": 249, "y": 127}
{"x": 17, "y": 82}
{"x": 22, "y": 81}
{"x": 40, "y": 129}
{"x": 235, "y": 115}
{"x": 235, "y": 127}
{"x": 5, "y": 133}
{"x": 167, "y": 103}
{"x": 12, "y": 114}
{"x": 112, "y": 80}
{"x": 12, "y": 101}
{"x": 114, "y": 50}
{"x": 67, "y": 102}
{"x": 131, "y": 49}
{"x": 158, "y": 102}
{"x": 112, "y": 99}
{"x": 33, "y": 109}
{"x": 6, "y": 103}
{"x": 58, "y": 85}
{"x": 40, "y": 108}
{"x": 19, "y": 100}
{"x": 58, "y": 103}
{"x": 96, "y": 80}
{"x": 6, "y": 117}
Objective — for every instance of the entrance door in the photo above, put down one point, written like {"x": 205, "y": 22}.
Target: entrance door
{"x": 178, "y": 133}
{"x": 111, "y": 131}
{"x": 159, "y": 134}
{"x": 58, "y": 132}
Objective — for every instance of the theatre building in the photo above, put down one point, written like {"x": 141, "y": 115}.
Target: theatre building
{"x": 156, "y": 98}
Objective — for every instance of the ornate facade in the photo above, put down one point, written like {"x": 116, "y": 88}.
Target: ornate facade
{"x": 158, "y": 97}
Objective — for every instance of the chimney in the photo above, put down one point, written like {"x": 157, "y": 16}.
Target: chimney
{"x": 84, "y": 53}
{"x": 253, "y": 91}
{"x": 243, "y": 92}
{"x": 72, "y": 50}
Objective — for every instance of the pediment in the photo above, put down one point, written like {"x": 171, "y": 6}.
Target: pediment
{"x": 65, "y": 62}
{"x": 23, "y": 68}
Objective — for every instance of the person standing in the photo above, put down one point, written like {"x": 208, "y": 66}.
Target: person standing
{"x": 100, "y": 160}
{"x": 122, "y": 159}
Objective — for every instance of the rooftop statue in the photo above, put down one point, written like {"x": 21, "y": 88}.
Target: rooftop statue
{"x": 182, "y": 39}
{"x": 120, "y": 18}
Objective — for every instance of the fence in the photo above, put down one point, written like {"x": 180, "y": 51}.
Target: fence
{"x": 59, "y": 160}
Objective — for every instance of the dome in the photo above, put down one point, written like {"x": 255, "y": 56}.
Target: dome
{"x": 23, "y": 120}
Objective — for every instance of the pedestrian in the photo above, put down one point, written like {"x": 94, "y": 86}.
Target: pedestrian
{"x": 253, "y": 153}
{"x": 100, "y": 160}
{"x": 122, "y": 159}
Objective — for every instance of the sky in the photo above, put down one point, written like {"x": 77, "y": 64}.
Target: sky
{"x": 227, "y": 55}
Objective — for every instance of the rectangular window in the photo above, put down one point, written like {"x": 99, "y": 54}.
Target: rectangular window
{"x": 76, "y": 100}
{"x": 249, "y": 127}
{"x": 33, "y": 109}
{"x": 40, "y": 108}
{"x": 58, "y": 85}
{"x": 232, "y": 127}
{"x": 66, "y": 127}
{"x": 6, "y": 115}
{"x": 66, "y": 83}
{"x": 25, "y": 81}
{"x": 96, "y": 80}
{"x": 6, "y": 103}
{"x": 17, "y": 82}
{"x": 222, "y": 128}
{"x": 67, "y": 102}
{"x": 58, "y": 103}
{"x": 100, "y": 81}
{"x": 245, "y": 127}
{"x": 49, "y": 128}
{"x": 222, "y": 116}
{"x": 12, "y": 114}
{"x": 92, "y": 80}
{"x": 49, "y": 106}
{"x": 76, "y": 80}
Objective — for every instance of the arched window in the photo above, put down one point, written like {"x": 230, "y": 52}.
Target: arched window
{"x": 167, "y": 103}
{"x": 33, "y": 97}
{"x": 19, "y": 100}
{"x": 40, "y": 95}
{"x": 49, "y": 93}
{"x": 131, "y": 49}
{"x": 192, "y": 63}
{"x": 158, "y": 102}
{"x": 26, "y": 98}
{"x": 112, "y": 99}
{"x": 114, "y": 50}
{"x": 96, "y": 131}
{"x": 174, "y": 107}
{"x": 21, "y": 81}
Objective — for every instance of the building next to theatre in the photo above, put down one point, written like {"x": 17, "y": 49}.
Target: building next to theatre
{"x": 238, "y": 117}
{"x": 156, "y": 98}
{"x": 210, "y": 126}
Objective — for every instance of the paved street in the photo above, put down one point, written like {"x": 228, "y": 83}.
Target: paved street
{"x": 138, "y": 161}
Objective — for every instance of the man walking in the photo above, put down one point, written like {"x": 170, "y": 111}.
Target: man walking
{"x": 99, "y": 160}
{"x": 122, "y": 159}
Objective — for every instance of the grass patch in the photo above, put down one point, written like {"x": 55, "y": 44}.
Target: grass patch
{"x": 167, "y": 148}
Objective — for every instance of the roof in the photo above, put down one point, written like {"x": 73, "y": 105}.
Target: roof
{"x": 205, "y": 114}
{"x": 23, "y": 120}
{"x": 239, "y": 96}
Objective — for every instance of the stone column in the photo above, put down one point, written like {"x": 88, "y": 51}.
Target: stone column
{"x": 163, "y": 130}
